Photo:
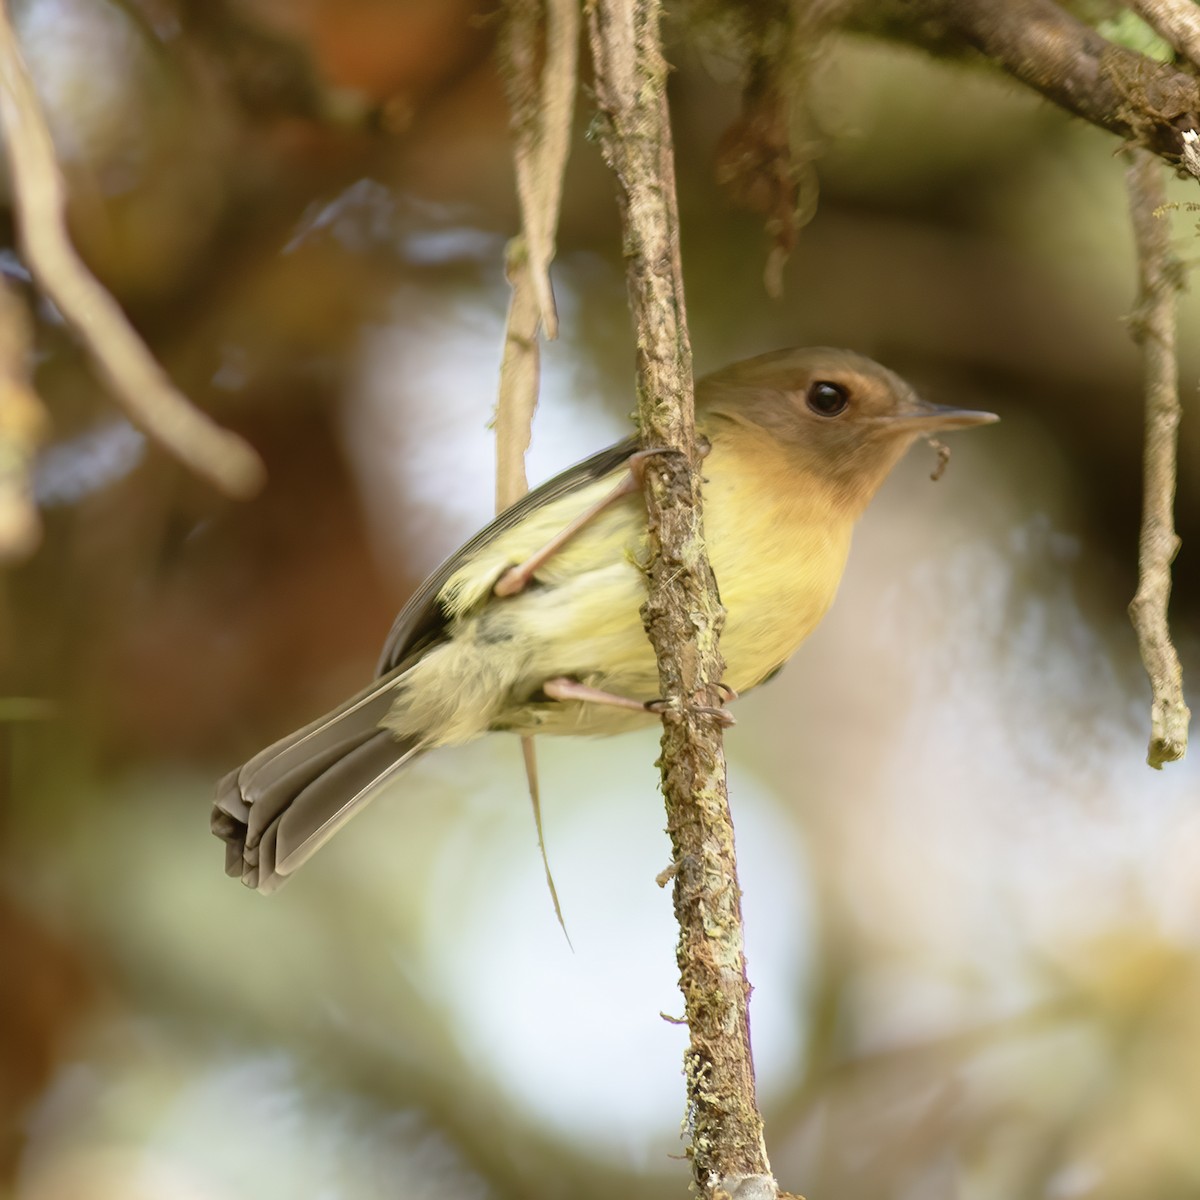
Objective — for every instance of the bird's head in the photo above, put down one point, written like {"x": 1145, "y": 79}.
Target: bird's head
{"x": 841, "y": 418}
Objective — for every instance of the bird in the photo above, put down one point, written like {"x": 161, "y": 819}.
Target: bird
{"x": 534, "y": 627}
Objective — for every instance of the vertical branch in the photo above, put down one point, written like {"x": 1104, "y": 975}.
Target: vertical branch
{"x": 1153, "y": 328}
{"x": 541, "y": 95}
{"x": 543, "y": 106}
{"x": 683, "y": 614}
{"x": 520, "y": 372}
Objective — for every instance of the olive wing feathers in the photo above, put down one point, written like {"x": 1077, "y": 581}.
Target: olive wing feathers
{"x": 422, "y": 620}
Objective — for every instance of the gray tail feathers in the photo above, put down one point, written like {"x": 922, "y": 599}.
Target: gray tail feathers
{"x": 278, "y": 809}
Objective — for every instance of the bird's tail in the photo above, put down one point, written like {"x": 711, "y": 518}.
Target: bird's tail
{"x": 278, "y": 809}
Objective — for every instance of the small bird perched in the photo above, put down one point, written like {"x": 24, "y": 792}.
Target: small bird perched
{"x": 534, "y": 626}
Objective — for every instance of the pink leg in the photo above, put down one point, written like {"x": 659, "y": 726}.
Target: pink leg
{"x": 570, "y": 689}
{"x": 562, "y": 688}
{"x": 516, "y": 579}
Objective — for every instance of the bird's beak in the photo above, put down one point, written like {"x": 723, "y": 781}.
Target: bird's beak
{"x": 924, "y": 417}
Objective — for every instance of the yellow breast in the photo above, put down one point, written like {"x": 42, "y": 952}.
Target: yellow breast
{"x": 777, "y": 547}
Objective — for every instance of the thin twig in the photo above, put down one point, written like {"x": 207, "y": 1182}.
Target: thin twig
{"x": 519, "y": 373}
{"x": 529, "y": 755}
{"x": 24, "y": 425}
{"x": 136, "y": 381}
{"x": 543, "y": 106}
{"x": 1153, "y": 327}
{"x": 683, "y": 613}
{"x": 519, "y": 369}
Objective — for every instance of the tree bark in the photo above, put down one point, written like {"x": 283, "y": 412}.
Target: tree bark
{"x": 683, "y": 613}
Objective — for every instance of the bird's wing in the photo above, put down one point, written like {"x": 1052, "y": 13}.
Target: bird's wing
{"x": 422, "y": 620}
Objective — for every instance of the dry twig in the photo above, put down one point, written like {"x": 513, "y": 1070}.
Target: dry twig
{"x": 23, "y": 426}
{"x": 519, "y": 375}
{"x": 683, "y": 613}
{"x": 1153, "y": 327}
{"x": 543, "y": 105}
{"x": 120, "y": 357}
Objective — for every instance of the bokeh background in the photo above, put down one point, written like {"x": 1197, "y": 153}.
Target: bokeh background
{"x": 973, "y": 912}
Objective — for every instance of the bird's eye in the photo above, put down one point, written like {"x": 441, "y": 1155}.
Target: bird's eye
{"x": 827, "y": 399}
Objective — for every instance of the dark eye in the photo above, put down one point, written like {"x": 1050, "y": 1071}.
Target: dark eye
{"x": 827, "y": 399}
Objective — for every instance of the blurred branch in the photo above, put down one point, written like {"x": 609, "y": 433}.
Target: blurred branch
{"x": 1051, "y": 51}
{"x": 269, "y": 73}
{"x": 24, "y": 425}
{"x": 683, "y": 613}
{"x": 1153, "y": 328}
{"x": 1177, "y": 21}
{"x": 519, "y": 375}
{"x": 137, "y": 382}
{"x": 543, "y": 106}
{"x": 765, "y": 158}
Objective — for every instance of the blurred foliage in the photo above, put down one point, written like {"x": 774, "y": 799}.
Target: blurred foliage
{"x": 972, "y": 911}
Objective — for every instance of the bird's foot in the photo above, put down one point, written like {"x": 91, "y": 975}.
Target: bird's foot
{"x": 719, "y": 713}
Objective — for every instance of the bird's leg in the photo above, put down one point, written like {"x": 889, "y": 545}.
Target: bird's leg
{"x": 562, "y": 688}
{"x": 516, "y": 579}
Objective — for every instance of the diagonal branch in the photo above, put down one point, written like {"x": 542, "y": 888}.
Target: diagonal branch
{"x": 1056, "y": 54}
{"x": 120, "y": 357}
{"x": 683, "y": 613}
{"x": 1153, "y": 327}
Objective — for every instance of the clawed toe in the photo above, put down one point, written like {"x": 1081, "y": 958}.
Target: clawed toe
{"x": 722, "y": 716}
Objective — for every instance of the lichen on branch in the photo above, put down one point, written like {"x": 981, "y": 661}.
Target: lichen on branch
{"x": 683, "y": 613}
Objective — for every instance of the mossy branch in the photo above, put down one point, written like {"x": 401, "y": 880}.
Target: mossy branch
{"x": 1051, "y": 51}
{"x": 683, "y": 613}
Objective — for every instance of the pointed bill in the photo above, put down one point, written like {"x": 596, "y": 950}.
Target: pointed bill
{"x": 938, "y": 418}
